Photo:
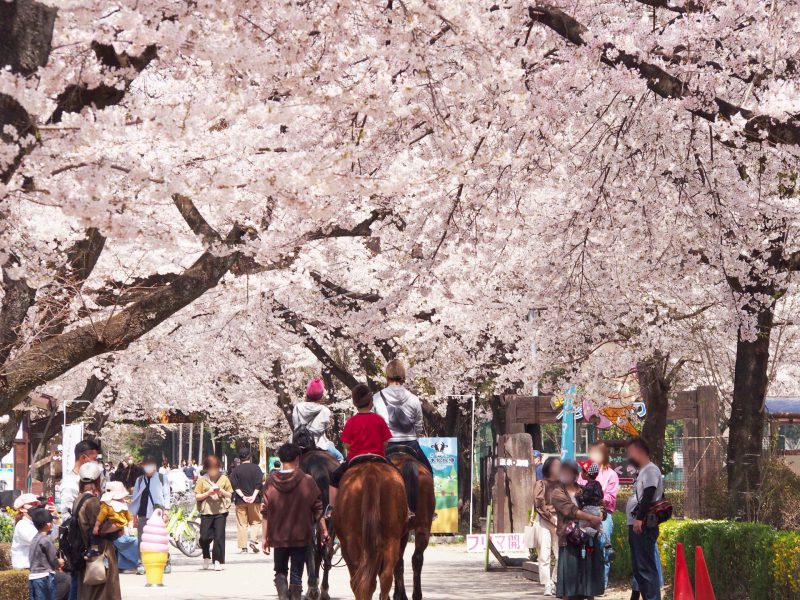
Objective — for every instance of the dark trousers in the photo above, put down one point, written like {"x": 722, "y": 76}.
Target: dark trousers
{"x": 43, "y": 588}
{"x": 212, "y": 530}
{"x": 298, "y": 557}
{"x": 414, "y": 445}
{"x": 75, "y": 578}
{"x": 643, "y": 561}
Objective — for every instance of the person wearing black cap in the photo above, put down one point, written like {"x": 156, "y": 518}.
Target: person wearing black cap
{"x": 580, "y": 572}
{"x": 43, "y": 558}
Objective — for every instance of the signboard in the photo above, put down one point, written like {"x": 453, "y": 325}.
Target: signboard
{"x": 73, "y": 434}
{"x": 442, "y": 452}
{"x": 506, "y": 543}
{"x": 7, "y": 472}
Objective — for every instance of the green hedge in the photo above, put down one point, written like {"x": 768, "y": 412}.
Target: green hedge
{"x": 746, "y": 561}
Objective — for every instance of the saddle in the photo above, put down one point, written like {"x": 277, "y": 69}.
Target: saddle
{"x": 400, "y": 449}
{"x": 368, "y": 458}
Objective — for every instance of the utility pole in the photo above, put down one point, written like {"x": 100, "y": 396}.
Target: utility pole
{"x": 180, "y": 444}
{"x": 191, "y": 438}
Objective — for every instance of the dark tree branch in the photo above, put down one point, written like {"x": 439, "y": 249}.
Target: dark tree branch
{"x": 26, "y": 32}
{"x": 16, "y": 302}
{"x": 195, "y": 220}
{"x": 757, "y": 127}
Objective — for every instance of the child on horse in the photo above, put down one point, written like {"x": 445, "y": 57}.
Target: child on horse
{"x": 364, "y": 433}
{"x": 313, "y": 417}
{"x": 402, "y": 411}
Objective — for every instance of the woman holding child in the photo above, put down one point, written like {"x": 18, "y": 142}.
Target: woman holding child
{"x": 580, "y": 568}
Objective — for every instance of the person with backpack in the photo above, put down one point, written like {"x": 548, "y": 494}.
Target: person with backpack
{"x": 402, "y": 411}
{"x": 642, "y": 525}
{"x": 310, "y": 419}
{"x": 78, "y": 536}
{"x": 150, "y": 491}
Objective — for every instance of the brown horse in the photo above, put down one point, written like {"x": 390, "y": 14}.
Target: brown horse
{"x": 422, "y": 502}
{"x": 320, "y": 464}
{"x": 371, "y": 518}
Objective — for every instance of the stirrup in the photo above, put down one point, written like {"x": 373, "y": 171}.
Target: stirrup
{"x": 411, "y": 514}
{"x": 328, "y": 512}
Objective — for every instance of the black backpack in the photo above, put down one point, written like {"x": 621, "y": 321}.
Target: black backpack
{"x": 303, "y": 438}
{"x": 71, "y": 544}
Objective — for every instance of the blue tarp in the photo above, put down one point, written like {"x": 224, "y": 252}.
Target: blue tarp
{"x": 785, "y": 405}
{"x": 127, "y": 552}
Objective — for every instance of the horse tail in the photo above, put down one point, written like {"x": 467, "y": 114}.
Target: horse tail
{"x": 369, "y": 565}
{"x": 410, "y": 472}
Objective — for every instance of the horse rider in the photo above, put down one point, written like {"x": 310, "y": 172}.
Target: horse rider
{"x": 402, "y": 411}
{"x": 315, "y": 417}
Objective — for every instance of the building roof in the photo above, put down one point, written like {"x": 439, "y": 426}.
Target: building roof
{"x": 783, "y": 406}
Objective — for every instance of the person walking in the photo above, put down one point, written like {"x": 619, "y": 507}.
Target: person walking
{"x": 609, "y": 481}
{"x": 86, "y": 509}
{"x": 44, "y": 561}
{"x": 247, "y": 480}
{"x": 150, "y": 491}
{"x": 188, "y": 470}
{"x": 642, "y": 529}
{"x": 580, "y": 573}
{"x": 292, "y": 504}
{"x": 316, "y": 417}
{"x": 213, "y": 494}
{"x": 401, "y": 410}
{"x": 546, "y": 521}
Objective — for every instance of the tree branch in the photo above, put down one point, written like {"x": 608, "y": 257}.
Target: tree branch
{"x": 757, "y": 128}
{"x": 16, "y": 302}
{"x": 195, "y": 220}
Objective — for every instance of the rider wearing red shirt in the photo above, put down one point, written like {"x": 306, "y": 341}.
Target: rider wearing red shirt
{"x": 364, "y": 433}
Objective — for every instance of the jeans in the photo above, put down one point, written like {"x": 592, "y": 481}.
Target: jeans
{"x": 298, "y": 558}
{"x": 643, "y": 560}
{"x": 334, "y": 452}
{"x": 73, "y": 587}
{"x": 606, "y": 532}
{"x": 43, "y": 588}
{"x": 635, "y": 585}
{"x": 212, "y": 531}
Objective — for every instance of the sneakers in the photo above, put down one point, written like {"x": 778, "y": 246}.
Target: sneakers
{"x": 242, "y": 550}
{"x": 140, "y": 570}
{"x": 218, "y": 566}
{"x": 206, "y": 564}
{"x": 254, "y": 547}
{"x": 168, "y": 568}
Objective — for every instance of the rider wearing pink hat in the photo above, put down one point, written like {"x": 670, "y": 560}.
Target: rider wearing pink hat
{"x": 315, "y": 417}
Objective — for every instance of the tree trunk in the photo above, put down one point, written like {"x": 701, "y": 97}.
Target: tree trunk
{"x": 746, "y": 425}
{"x": 654, "y": 387}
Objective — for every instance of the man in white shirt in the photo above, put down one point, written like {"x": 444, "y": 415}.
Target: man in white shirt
{"x": 85, "y": 451}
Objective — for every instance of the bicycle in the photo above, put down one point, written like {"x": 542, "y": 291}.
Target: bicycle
{"x": 184, "y": 531}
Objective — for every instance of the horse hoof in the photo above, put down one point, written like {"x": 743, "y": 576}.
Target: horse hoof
{"x": 324, "y": 596}
{"x": 313, "y": 594}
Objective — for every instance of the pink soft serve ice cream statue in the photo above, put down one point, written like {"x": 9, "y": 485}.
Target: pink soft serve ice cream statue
{"x": 154, "y": 546}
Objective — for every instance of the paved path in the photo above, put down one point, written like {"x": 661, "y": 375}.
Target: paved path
{"x": 450, "y": 573}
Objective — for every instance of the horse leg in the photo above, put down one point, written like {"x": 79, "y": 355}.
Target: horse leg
{"x": 327, "y": 558}
{"x": 391, "y": 558}
{"x": 399, "y": 581}
{"x": 421, "y": 540}
{"x": 312, "y": 565}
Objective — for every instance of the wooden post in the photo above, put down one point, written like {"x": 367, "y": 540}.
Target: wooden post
{"x": 691, "y": 454}
{"x": 191, "y": 438}
{"x": 710, "y": 460}
{"x": 180, "y": 444}
{"x": 516, "y": 475}
{"x": 200, "y": 446}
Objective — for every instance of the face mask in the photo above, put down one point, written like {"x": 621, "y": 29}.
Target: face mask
{"x": 150, "y": 469}
{"x": 634, "y": 463}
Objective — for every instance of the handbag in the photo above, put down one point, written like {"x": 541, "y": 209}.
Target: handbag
{"x": 661, "y": 511}
{"x": 530, "y": 535}
{"x": 96, "y": 571}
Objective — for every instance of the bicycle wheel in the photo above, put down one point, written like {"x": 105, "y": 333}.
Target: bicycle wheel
{"x": 188, "y": 541}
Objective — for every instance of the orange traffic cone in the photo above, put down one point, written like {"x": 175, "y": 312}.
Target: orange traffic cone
{"x": 702, "y": 580}
{"x": 682, "y": 586}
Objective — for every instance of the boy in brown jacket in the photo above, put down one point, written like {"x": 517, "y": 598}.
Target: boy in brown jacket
{"x": 292, "y": 504}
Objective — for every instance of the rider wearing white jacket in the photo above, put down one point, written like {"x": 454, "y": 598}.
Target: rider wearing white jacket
{"x": 401, "y": 410}
{"x": 315, "y": 417}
